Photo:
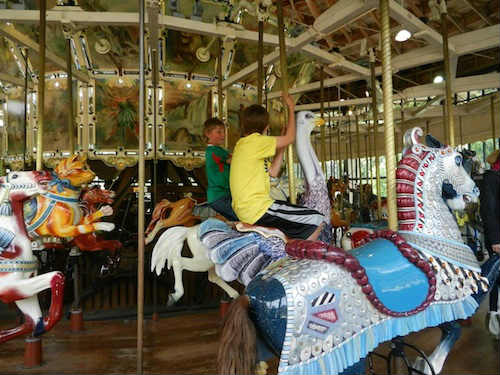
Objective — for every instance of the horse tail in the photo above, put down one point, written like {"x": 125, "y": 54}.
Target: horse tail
{"x": 168, "y": 246}
{"x": 238, "y": 344}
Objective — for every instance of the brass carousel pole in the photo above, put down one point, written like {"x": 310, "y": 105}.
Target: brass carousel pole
{"x": 260, "y": 55}
{"x": 26, "y": 72}
{"x": 41, "y": 87}
{"x": 284, "y": 89}
{"x": 493, "y": 132}
{"x": 153, "y": 12}
{"x": 446, "y": 56}
{"x": 388, "y": 116}
{"x": 220, "y": 94}
{"x": 140, "y": 228}
{"x": 462, "y": 134}
{"x": 339, "y": 154}
{"x": 358, "y": 142}
{"x": 400, "y": 140}
{"x": 366, "y": 158}
{"x": 330, "y": 139}
{"x": 71, "y": 117}
{"x": 323, "y": 130}
{"x": 351, "y": 160}
{"x": 368, "y": 136}
{"x": 375, "y": 126}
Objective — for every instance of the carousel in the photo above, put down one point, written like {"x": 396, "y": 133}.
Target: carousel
{"x": 113, "y": 261}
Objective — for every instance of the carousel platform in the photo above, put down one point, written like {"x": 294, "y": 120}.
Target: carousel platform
{"x": 187, "y": 344}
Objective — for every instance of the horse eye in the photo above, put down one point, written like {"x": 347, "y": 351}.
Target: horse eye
{"x": 458, "y": 160}
{"x": 14, "y": 176}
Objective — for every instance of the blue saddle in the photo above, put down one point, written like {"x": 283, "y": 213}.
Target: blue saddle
{"x": 399, "y": 284}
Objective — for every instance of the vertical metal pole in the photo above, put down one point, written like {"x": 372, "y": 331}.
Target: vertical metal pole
{"x": 366, "y": 157}
{"x": 284, "y": 89}
{"x": 358, "y": 142}
{"x": 220, "y": 94}
{"x": 369, "y": 161}
{"x": 351, "y": 161}
{"x": 338, "y": 151}
{"x": 462, "y": 134}
{"x": 449, "y": 104}
{"x": 388, "y": 116}
{"x": 71, "y": 115}
{"x": 493, "y": 132}
{"x": 330, "y": 137}
{"x": 41, "y": 87}
{"x": 140, "y": 228}
{"x": 401, "y": 128}
{"x": 25, "y": 107}
{"x": 153, "y": 12}
{"x": 260, "y": 62}
{"x": 375, "y": 126}
{"x": 322, "y": 109}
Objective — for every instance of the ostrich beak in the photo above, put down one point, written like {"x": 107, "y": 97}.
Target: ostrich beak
{"x": 319, "y": 122}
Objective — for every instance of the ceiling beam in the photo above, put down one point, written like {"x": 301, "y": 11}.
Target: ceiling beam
{"x": 478, "y": 12}
{"x": 470, "y": 42}
{"x": 342, "y": 12}
{"x": 479, "y": 82}
{"x": 410, "y": 21}
{"x": 11, "y": 79}
{"x": 19, "y": 38}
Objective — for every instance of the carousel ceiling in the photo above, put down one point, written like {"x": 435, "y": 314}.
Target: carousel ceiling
{"x": 336, "y": 34}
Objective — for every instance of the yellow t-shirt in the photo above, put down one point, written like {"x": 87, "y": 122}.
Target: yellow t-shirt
{"x": 248, "y": 178}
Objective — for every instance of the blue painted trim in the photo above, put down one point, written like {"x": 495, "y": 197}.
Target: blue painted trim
{"x": 361, "y": 344}
{"x": 60, "y": 198}
{"x": 42, "y": 218}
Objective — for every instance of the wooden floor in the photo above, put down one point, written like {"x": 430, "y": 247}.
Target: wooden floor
{"x": 187, "y": 344}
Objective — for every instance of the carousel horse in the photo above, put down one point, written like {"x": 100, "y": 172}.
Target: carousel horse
{"x": 322, "y": 309}
{"x": 90, "y": 241}
{"x": 57, "y": 212}
{"x": 168, "y": 214}
{"x": 19, "y": 282}
{"x": 179, "y": 219}
{"x": 244, "y": 253}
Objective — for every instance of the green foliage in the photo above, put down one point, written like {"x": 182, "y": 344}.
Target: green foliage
{"x": 126, "y": 115}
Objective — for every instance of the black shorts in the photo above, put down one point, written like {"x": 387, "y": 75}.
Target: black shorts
{"x": 295, "y": 221}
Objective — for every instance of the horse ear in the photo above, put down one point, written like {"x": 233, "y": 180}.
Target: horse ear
{"x": 432, "y": 142}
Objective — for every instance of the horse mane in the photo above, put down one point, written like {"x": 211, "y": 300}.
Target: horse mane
{"x": 406, "y": 174}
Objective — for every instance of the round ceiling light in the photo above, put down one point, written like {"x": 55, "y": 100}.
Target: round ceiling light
{"x": 438, "y": 79}
{"x": 403, "y": 35}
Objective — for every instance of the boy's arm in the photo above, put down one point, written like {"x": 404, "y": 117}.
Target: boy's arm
{"x": 275, "y": 168}
{"x": 289, "y": 137}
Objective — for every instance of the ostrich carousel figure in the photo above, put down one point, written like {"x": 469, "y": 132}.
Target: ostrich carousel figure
{"x": 245, "y": 251}
{"x": 322, "y": 309}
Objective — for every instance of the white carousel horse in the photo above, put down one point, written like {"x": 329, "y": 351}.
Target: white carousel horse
{"x": 19, "y": 282}
{"x": 169, "y": 245}
{"x": 324, "y": 309}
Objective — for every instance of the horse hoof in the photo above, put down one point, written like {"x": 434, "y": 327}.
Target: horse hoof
{"x": 39, "y": 328}
{"x": 171, "y": 300}
{"x": 422, "y": 366}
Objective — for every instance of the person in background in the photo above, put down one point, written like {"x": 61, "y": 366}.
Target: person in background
{"x": 217, "y": 161}
{"x": 490, "y": 216}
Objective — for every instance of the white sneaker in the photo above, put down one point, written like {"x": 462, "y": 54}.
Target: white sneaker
{"x": 493, "y": 323}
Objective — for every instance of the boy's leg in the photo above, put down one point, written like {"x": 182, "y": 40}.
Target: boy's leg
{"x": 223, "y": 207}
{"x": 314, "y": 236}
{"x": 294, "y": 221}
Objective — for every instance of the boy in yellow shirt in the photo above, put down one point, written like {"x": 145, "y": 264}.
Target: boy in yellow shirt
{"x": 249, "y": 179}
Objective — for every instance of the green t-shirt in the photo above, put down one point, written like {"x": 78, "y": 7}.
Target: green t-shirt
{"x": 217, "y": 172}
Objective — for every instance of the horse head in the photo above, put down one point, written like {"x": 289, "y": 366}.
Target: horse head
{"x": 75, "y": 170}
{"x": 169, "y": 214}
{"x": 431, "y": 181}
{"x": 96, "y": 195}
{"x": 20, "y": 186}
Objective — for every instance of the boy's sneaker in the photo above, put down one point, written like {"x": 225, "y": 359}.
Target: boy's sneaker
{"x": 493, "y": 323}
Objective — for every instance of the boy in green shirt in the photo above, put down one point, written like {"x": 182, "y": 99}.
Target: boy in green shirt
{"x": 217, "y": 161}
